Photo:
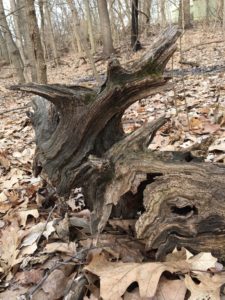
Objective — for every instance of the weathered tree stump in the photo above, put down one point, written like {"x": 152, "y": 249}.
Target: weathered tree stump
{"x": 80, "y": 142}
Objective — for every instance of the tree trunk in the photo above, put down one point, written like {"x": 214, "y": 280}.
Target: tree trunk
{"x": 85, "y": 146}
{"x": 185, "y": 14}
{"x": 223, "y": 14}
{"x": 135, "y": 43}
{"x": 147, "y": 11}
{"x": 76, "y": 26}
{"x": 42, "y": 28}
{"x": 207, "y": 12}
{"x": 105, "y": 28}
{"x": 128, "y": 9}
{"x": 18, "y": 37}
{"x": 83, "y": 42}
{"x": 3, "y": 49}
{"x": 24, "y": 29}
{"x": 51, "y": 33}
{"x": 219, "y": 10}
{"x": 90, "y": 27}
{"x": 162, "y": 13}
{"x": 13, "y": 51}
{"x": 36, "y": 45}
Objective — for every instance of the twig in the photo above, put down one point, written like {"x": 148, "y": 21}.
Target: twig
{"x": 34, "y": 289}
{"x": 79, "y": 256}
{"x": 174, "y": 89}
{"x": 46, "y": 223}
{"x": 14, "y": 109}
{"x": 184, "y": 91}
{"x": 202, "y": 44}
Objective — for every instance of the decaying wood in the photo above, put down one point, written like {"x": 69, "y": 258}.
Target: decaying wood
{"x": 81, "y": 143}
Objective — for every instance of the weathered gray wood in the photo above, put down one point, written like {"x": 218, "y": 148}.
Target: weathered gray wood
{"x": 81, "y": 143}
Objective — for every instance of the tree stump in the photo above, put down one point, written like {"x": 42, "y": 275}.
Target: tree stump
{"x": 81, "y": 143}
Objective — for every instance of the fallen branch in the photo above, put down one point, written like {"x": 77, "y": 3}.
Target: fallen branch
{"x": 189, "y": 63}
{"x": 202, "y": 44}
{"x": 14, "y": 109}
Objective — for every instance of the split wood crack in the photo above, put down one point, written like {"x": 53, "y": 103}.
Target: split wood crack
{"x": 80, "y": 143}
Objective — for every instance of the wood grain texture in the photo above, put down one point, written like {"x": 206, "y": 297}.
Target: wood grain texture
{"x": 177, "y": 199}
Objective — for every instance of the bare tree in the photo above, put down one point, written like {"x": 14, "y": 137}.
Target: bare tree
{"x": 135, "y": 43}
{"x": 26, "y": 41}
{"x": 14, "y": 7}
{"x": 90, "y": 27}
{"x": 162, "y": 13}
{"x": 36, "y": 45}
{"x": 48, "y": 26}
{"x": 224, "y": 14}
{"x": 75, "y": 27}
{"x": 105, "y": 28}
{"x": 13, "y": 51}
{"x": 147, "y": 11}
{"x": 42, "y": 27}
{"x": 207, "y": 11}
{"x": 185, "y": 14}
{"x": 3, "y": 49}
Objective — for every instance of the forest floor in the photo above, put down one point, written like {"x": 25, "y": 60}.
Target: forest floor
{"x": 35, "y": 241}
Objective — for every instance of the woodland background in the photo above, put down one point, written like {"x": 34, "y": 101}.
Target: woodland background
{"x": 47, "y": 248}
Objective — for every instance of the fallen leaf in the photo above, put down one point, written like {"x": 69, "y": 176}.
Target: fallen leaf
{"x": 4, "y": 161}
{"x": 55, "y": 284}
{"x": 40, "y": 229}
{"x": 13, "y": 294}
{"x": 116, "y": 277}
{"x": 69, "y": 249}
{"x": 62, "y": 229}
{"x": 218, "y": 145}
{"x": 23, "y": 215}
{"x": 29, "y": 277}
{"x": 208, "y": 288}
{"x": 202, "y": 261}
{"x": 3, "y": 197}
{"x": 171, "y": 289}
{"x": 9, "y": 247}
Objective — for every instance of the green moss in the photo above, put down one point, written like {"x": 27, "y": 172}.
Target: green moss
{"x": 89, "y": 98}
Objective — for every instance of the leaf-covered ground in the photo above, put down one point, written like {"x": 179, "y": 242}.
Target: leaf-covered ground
{"x": 46, "y": 248}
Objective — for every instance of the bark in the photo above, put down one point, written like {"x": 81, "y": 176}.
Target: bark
{"x": 13, "y": 51}
{"x": 84, "y": 146}
{"x": 36, "y": 45}
{"x": 135, "y": 43}
{"x": 18, "y": 36}
{"x": 42, "y": 28}
{"x": 105, "y": 28}
{"x": 24, "y": 29}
